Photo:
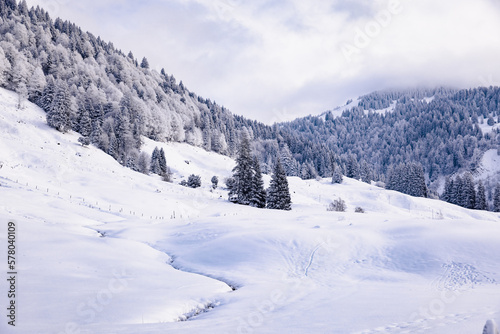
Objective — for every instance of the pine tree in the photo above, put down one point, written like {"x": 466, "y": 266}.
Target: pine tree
{"x": 469, "y": 193}
{"x": 242, "y": 173}
{"x": 481, "y": 203}
{"x": 155, "y": 162}
{"x": 458, "y": 197}
{"x": 144, "y": 63}
{"x": 84, "y": 123}
{"x": 288, "y": 162}
{"x": 258, "y": 198}
{"x": 337, "y": 176}
{"x": 143, "y": 163}
{"x": 162, "y": 161}
{"x": 365, "y": 172}
{"x": 352, "y": 168}
{"x": 215, "y": 181}
{"x": 58, "y": 115}
{"x": 496, "y": 199}
{"x": 448, "y": 190}
{"x": 278, "y": 194}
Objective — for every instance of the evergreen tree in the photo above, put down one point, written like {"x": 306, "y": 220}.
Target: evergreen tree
{"x": 84, "y": 123}
{"x": 352, "y": 168}
{"x": 496, "y": 199}
{"x": 144, "y": 63}
{"x": 469, "y": 193}
{"x": 337, "y": 176}
{"x": 288, "y": 162}
{"x": 215, "y": 181}
{"x": 258, "y": 198}
{"x": 163, "y": 162}
{"x": 366, "y": 172}
{"x": 278, "y": 194}
{"x": 481, "y": 203}
{"x": 243, "y": 173}
{"x": 458, "y": 197}
{"x": 143, "y": 163}
{"x": 194, "y": 181}
{"x": 58, "y": 115}
{"x": 155, "y": 162}
{"x": 448, "y": 190}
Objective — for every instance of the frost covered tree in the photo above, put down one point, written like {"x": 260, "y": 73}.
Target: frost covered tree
{"x": 409, "y": 179}
{"x": 365, "y": 172}
{"x": 337, "y": 176}
{"x": 36, "y": 84}
{"x": 481, "y": 203}
{"x": 144, "y": 63}
{"x": 278, "y": 194}
{"x": 155, "y": 162}
{"x": 288, "y": 162}
{"x": 352, "y": 167}
{"x": 468, "y": 192}
{"x": 258, "y": 198}
{"x": 59, "y": 112}
{"x": 194, "y": 181}
{"x": 215, "y": 181}
{"x": 448, "y": 190}
{"x": 22, "y": 95}
{"x": 496, "y": 199}
{"x": 163, "y": 162}
{"x": 143, "y": 163}
{"x": 243, "y": 173}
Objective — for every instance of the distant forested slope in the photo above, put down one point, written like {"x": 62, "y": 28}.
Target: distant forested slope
{"x": 87, "y": 85}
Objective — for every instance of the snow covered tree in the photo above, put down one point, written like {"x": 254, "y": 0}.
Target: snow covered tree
{"x": 144, "y": 63}
{"x": 215, "y": 181}
{"x": 288, "y": 162}
{"x": 58, "y": 115}
{"x": 84, "y": 123}
{"x": 448, "y": 190}
{"x": 258, "y": 198}
{"x": 337, "y": 176}
{"x": 481, "y": 203}
{"x": 496, "y": 199}
{"x": 36, "y": 84}
{"x": 22, "y": 95}
{"x": 155, "y": 162}
{"x": 365, "y": 172}
{"x": 194, "y": 181}
{"x": 143, "y": 163}
{"x": 163, "y": 162}
{"x": 278, "y": 194}
{"x": 352, "y": 167}
{"x": 469, "y": 193}
{"x": 409, "y": 179}
{"x": 243, "y": 173}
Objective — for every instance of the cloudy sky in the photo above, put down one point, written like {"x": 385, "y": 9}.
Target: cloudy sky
{"x": 279, "y": 59}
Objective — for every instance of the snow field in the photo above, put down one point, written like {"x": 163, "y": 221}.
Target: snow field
{"x": 103, "y": 249}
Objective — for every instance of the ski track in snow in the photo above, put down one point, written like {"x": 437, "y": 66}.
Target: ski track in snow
{"x": 311, "y": 258}
{"x": 461, "y": 276}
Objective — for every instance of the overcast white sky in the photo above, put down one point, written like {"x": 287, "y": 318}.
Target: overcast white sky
{"x": 280, "y": 59}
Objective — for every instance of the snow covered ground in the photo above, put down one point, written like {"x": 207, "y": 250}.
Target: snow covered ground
{"x": 103, "y": 249}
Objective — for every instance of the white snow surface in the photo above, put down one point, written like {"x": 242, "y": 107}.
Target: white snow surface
{"x": 385, "y": 110}
{"x": 103, "y": 249}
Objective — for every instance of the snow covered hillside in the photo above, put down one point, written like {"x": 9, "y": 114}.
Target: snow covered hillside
{"x": 103, "y": 249}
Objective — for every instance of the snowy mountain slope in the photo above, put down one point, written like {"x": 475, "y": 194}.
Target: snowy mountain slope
{"x": 103, "y": 249}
